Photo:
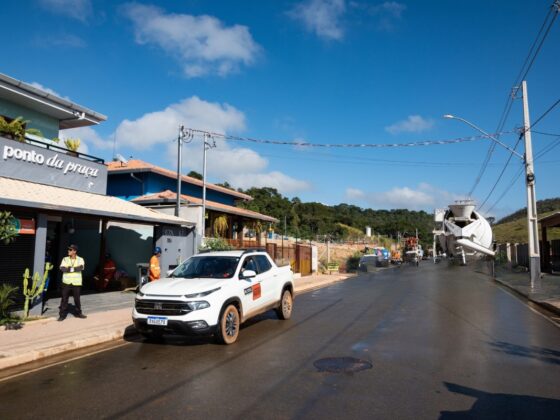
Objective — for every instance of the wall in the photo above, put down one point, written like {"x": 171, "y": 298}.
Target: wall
{"x": 129, "y": 244}
{"x": 127, "y": 188}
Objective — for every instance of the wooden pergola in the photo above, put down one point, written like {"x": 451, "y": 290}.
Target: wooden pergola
{"x": 551, "y": 221}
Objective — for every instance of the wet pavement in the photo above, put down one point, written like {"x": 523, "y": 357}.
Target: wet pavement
{"x": 430, "y": 342}
{"x": 545, "y": 292}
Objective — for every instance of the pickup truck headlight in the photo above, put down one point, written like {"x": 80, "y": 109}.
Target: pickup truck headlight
{"x": 202, "y": 294}
{"x": 201, "y": 304}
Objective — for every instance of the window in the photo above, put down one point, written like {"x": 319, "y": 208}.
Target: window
{"x": 264, "y": 264}
{"x": 249, "y": 264}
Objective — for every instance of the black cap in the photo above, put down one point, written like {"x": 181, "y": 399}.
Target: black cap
{"x": 74, "y": 247}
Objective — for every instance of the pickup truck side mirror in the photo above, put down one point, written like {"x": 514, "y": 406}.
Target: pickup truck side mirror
{"x": 247, "y": 274}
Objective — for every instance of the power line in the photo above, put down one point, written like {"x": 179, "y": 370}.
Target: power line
{"x": 501, "y": 174}
{"x": 541, "y": 153}
{"x": 545, "y": 113}
{"x": 343, "y": 145}
{"x": 525, "y": 68}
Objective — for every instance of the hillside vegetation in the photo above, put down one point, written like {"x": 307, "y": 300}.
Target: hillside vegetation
{"x": 513, "y": 228}
{"x": 312, "y": 220}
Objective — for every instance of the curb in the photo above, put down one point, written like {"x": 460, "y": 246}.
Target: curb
{"x": 107, "y": 336}
{"x": 34, "y": 355}
{"x": 545, "y": 305}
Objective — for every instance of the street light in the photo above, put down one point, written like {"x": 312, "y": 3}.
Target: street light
{"x": 532, "y": 223}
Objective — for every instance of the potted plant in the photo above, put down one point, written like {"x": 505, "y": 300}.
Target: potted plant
{"x": 16, "y": 130}
{"x": 72, "y": 145}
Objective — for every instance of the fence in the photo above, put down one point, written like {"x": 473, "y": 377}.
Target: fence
{"x": 298, "y": 256}
{"x": 518, "y": 254}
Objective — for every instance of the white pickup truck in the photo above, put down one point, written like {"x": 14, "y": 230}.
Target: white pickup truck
{"x": 213, "y": 293}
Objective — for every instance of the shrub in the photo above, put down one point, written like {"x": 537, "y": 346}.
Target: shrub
{"x": 215, "y": 244}
{"x": 6, "y": 301}
{"x": 353, "y": 261}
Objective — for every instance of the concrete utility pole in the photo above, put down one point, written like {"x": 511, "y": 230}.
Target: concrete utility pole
{"x": 205, "y": 146}
{"x": 532, "y": 223}
{"x": 179, "y": 163}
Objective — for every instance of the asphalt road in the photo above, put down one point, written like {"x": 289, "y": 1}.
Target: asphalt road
{"x": 431, "y": 342}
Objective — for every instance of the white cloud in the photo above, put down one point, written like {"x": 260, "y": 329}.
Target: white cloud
{"x": 387, "y": 14}
{"x": 80, "y": 10}
{"x": 322, "y": 17}
{"x": 162, "y": 126}
{"x": 423, "y": 197}
{"x": 240, "y": 166}
{"x": 354, "y": 194}
{"x": 48, "y": 90}
{"x": 282, "y": 182}
{"x": 87, "y": 135}
{"x": 202, "y": 44}
{"x": 413, "y": 124}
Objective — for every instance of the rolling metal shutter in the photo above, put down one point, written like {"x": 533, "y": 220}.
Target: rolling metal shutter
{"x": 14, "y": 259}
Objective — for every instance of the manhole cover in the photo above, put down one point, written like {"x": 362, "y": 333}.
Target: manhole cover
{"x": 341, "y": 364}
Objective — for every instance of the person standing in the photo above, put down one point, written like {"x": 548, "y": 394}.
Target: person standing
{"x": 155, "y": 269}
{"x": 71, "y": 267}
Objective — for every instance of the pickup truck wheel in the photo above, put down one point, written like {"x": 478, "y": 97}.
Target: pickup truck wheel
{"x": 228, "y": 327}
{"x": 284, "y": 311}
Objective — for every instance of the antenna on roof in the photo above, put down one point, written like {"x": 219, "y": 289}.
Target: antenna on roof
{"x": 120, "y": 158}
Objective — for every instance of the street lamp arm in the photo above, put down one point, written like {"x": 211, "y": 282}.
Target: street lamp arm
{"x": 491, "y": 137}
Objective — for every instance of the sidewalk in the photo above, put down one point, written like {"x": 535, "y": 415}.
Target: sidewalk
{"x": 546, "y": 294}
{"x": 109, "y": 315}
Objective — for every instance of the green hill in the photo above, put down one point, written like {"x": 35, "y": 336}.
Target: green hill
{"x": 313, "y": 220}
{"x": 513, "y": 228}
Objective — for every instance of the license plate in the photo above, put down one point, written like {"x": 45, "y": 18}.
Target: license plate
{"x": 157, "y": 320}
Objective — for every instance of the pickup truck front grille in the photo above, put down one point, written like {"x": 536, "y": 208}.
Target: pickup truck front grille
{"x": 162, "y": 307}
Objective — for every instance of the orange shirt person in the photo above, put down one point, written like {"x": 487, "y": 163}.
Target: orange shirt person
{"x": 155, "y": 270}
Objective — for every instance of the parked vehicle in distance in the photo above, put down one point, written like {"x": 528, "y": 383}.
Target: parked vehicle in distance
{"x": 214, "y": 293}
{"x": 367, "y": 263}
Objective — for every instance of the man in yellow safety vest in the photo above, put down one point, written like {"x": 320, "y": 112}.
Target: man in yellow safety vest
{"x": 71, "y": 267}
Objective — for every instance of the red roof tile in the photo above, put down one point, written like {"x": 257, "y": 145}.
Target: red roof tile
{"x": 136, "y": 165}
{"x": 168, "y": 195}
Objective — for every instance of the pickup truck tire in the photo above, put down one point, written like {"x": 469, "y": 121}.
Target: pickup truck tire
{"x": 284, "y": 311}
{"x": 228, "y": 327}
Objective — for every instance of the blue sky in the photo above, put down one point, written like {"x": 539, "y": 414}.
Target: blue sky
{"x": 320, "y": 71}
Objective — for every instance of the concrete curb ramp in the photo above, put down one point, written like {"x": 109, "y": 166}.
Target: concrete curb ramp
{"x": 47, "y": 337}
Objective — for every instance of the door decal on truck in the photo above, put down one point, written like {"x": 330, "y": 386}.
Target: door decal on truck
{"x": 256, "y": 291}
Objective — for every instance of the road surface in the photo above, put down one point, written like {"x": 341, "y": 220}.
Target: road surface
{"x": 428, "y": 342}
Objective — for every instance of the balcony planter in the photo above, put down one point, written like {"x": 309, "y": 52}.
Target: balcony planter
{"x": 72, "y": 145}
{"x": 15, "y": 129}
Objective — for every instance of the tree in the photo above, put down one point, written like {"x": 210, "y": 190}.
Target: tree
{"x": 196, "y": 175}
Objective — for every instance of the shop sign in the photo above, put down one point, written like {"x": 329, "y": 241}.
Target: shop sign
{"x": 25, "y": 226}
{"x": 38, "y": 164}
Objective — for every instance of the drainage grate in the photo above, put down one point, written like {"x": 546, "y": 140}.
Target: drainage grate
{"x": 341, "y": 365}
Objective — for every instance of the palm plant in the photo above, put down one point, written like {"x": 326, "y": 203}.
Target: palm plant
{"x": 6, "y": 301}
{"x": 16, "y": 130}
{"x": 72, "y": 144}
{"x": 221, "y": 225}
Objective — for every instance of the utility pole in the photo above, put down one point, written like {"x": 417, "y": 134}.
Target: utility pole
{"x": 206, "y": 145}
{"x": 179, "y": 164}
{"x": 532, "y": 224}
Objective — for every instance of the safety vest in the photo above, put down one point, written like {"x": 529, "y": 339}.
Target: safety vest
{"x": 155, "y": 269}
{"x": 74, "y": 278}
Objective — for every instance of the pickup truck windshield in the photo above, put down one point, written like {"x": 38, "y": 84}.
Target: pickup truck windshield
{"x": 207, "y": 267}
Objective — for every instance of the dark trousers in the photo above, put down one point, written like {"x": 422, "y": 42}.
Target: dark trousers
{"x": 68, "y": 289}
